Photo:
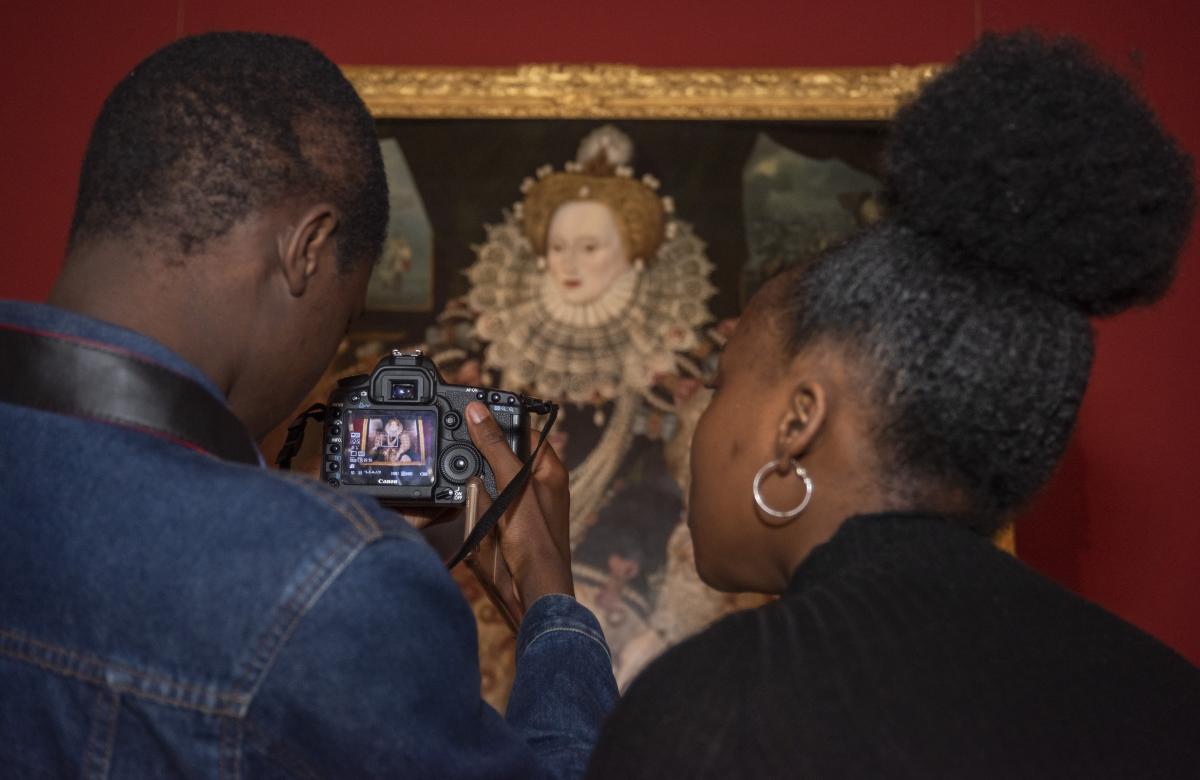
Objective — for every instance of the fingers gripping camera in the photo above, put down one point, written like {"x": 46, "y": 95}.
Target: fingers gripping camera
{"x": 400, "y": 435}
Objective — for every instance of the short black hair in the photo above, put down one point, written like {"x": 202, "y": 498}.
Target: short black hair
{"x": 213, "y": 128}
{"x": 1029, "y": 188}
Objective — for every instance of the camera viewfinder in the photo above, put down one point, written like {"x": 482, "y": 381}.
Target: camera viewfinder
{"x": 403, "y": 391}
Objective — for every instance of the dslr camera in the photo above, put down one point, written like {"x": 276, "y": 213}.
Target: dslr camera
{"x": 400, "y": 433}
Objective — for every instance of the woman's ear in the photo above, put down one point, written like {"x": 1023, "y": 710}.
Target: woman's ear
{"x": 308, "y": 247}
{"x": 801, "y": 422}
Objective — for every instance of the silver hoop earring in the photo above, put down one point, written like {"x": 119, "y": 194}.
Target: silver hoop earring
{"x": 789, "y": 514}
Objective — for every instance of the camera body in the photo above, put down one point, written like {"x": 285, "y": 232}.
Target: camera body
{"x": 400, "y": 434}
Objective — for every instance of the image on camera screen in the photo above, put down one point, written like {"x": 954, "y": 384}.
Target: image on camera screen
{"x": 390, "y": 448}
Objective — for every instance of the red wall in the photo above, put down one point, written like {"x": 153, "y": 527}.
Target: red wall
{"x": 1118, "y": 523}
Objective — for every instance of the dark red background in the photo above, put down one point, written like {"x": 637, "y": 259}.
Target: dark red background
{"x": 1119, "y": 521}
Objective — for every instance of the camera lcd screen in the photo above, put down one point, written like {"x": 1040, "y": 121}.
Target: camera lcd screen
{"x": 403, "y": 391}
{"x": 390, "y": 447}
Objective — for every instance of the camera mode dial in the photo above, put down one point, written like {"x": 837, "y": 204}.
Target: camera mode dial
{"x": 459, "y": 463}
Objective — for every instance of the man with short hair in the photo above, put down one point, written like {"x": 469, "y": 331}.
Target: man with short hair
{"x": 165, "y": 611}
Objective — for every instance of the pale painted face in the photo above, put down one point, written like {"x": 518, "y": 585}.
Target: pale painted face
{"x": 392, "y": 428}
{"x": 584, "y": 252}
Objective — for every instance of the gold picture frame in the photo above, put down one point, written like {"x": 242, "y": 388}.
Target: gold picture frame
{"x": 600, "y": 91}
{"x": 813, "y": 97}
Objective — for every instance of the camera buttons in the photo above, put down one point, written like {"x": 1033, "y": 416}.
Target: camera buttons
{"x": 451, "y": 420}
{"x": 495, "y": 398}
{"x": 481, "y": 396}
{"x": 512, "y": 400}
{"x": 335, "y": 448}
{"x": 334, "y": 483}
{"x": 335, "y": 430}
{"x": 331, "y": 466}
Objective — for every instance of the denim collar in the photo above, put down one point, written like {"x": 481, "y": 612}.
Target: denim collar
{"x": 43, "y": 316}
{"x": 47, "y": 318}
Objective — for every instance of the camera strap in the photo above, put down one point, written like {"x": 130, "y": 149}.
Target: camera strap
{"x": 79, "y": 377}
{"x": 510, "y": 492}
{"x": 295, "y": 435}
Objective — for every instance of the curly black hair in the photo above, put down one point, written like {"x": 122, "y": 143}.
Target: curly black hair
{"x": 1030, "y": 188}
{"x": 213, "y": 128}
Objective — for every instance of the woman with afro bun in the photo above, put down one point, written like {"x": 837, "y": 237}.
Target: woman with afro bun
{"x": 880, "y": 413}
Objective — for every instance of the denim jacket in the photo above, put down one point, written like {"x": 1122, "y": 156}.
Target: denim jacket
{"x": 164, "y": 613}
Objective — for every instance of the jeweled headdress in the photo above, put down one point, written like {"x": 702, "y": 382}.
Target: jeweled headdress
{"x": 602, "y": 175}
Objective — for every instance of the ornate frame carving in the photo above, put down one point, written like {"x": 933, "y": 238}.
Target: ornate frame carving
{"x": 548, "y": 91}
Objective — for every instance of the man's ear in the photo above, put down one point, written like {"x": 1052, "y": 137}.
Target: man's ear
{"x": 802, "y": 421}
{"x": 308, "y": 245}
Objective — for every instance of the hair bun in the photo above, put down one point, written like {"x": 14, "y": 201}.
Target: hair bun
{"x": 1030, "y": 157}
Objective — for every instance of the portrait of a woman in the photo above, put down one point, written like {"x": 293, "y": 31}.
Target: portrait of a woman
{"x": 394, "y": 443}
{"x": 592, "y": 292}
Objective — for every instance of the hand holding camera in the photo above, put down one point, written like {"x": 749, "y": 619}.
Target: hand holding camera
{"x": 397, "y": 434}
{"x": 534, "y": 535}
{"x": 406, "y": 437}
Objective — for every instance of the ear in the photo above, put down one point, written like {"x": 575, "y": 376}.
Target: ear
{"x": 308, "y": 245}
{"x": 802, "y": 421}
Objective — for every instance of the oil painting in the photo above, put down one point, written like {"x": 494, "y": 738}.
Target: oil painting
{"x": 591, "y": 240}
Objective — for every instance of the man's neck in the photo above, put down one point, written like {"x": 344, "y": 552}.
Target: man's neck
{"x": 111, "y": 283}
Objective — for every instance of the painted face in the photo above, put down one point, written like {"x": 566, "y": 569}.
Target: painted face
{"x": 735, "y": 436}
{"x": 622, "y": 569}
{"x": 584, "y": 252}
{"x": 393, "y": 454}
{"x": 392, "y": 427}
{"x": 405, "y": 442}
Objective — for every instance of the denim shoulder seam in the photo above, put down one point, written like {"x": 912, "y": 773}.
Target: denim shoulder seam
{"x": 289, "y": 614}
{"x": 118, "y": 678}
{"x": 552, "y": 629}
{"x": 347, "y": 508}
{"x": 360, "y": 531}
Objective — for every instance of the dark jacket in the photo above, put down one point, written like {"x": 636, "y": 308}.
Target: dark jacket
{"x": 908, "y": 646}
{"x": 167, "y": 614}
